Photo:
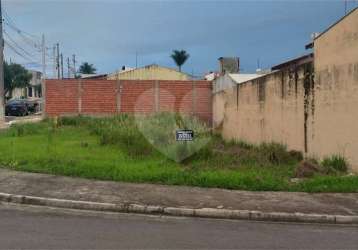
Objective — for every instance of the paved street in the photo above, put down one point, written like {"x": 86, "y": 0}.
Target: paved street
{"x": 80, "y": 189}
{"x": 49, "y": 228}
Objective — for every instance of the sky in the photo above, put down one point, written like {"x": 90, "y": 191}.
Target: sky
{"x": 109, "y": 33}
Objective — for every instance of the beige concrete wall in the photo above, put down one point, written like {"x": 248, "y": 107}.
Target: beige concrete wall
{"x": 270, "y": 108}
{"x": 311, "y": 109}
{"x": 335, "y": 123}
{"x": 151, "y": 72}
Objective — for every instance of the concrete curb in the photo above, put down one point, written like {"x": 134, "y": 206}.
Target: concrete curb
{"x": 177, "y": 211}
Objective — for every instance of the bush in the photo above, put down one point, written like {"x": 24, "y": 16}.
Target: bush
{"x": 335, "y": 163}
{"x": 273, "y": 153}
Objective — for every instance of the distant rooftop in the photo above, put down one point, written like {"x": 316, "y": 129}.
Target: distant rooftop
{"x": 295, "y": 61}
{"x": 240, "y": 78}
{"x": 92, "y": 76}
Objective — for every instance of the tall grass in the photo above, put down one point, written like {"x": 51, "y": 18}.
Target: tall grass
{"x": 121, "y": 148}
{"x": 335, "y": 163}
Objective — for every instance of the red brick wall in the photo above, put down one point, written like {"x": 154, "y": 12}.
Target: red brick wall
{"x": 137, "y": 96}
{"x": 104, "y": 97}
{"x": 98, "y": 96}
{"x": 61, "y": 97}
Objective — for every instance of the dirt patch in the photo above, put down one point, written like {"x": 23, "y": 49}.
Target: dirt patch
{"x": 307, "y": 169}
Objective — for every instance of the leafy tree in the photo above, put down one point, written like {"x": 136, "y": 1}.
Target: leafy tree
{"x": 87, "y": 68}
{"x": 15, "y": 76}
{"x": 179, "y": 57}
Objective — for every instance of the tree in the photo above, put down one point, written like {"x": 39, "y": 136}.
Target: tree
{"x": 179, "y": 57}
{"x": 15, "y": 76}
{"x": 87, "y": 68}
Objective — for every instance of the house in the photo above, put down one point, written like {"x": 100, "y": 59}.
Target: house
{"x": 149, "y": 72}
{"x": 33, "y": 91}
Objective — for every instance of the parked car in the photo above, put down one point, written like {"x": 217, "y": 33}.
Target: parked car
{"x": 17, "y": 108}
{"x": 32, "y": 105}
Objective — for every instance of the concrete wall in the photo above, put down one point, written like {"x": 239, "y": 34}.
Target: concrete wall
{"x": 309, "y": 107}
{"x": 150, "y": 72}
{"x": 223, "y": 82}
{"x": 270, "y": 108}
{"x": 335, "y": 123}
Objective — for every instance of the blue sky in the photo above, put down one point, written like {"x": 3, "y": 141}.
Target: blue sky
{"x": 108, "y": 33}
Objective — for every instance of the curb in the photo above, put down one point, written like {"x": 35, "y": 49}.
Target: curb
{"x": 177, "y": 211}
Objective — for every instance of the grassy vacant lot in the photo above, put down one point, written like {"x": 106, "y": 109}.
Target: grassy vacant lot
{"x": 115, "y": 149}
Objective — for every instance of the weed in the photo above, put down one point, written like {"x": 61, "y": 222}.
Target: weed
{"x": 335, "y": 163}
{"x": 112, "y": 148}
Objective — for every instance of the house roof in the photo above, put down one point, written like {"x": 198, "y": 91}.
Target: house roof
{"x": 148, "y": 66}
{"x": 211, "y": 76}
{"x": 92, "y": 76}
{"x": 240, "y": 78}
{"x": 295, "y": 61}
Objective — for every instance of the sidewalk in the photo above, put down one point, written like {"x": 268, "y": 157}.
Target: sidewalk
{"x": 76, "y": 189}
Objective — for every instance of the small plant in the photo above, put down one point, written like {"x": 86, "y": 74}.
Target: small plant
{"x": 335, "y": 163}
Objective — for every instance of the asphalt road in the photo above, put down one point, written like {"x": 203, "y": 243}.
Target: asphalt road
{"x": 47, "y": 228}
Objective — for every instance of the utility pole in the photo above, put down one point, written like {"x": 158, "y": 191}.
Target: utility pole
{"x": 58, "y": 59}
{"x": 74, "y": 65}
{"x": 68, "y": 68}
{"x": 43, "y": 85}
{"x": 2, "y": 93}
{"x": 54, "y": 62}
{"x": 61, "y": 66}
{"x": 136, "y": 59}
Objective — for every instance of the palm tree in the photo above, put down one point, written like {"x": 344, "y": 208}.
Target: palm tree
{"x": 87, "y": 68}
{"x": 179, "y": 57}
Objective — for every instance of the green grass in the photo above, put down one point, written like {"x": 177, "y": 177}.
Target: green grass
{"x": 115, "y": 149}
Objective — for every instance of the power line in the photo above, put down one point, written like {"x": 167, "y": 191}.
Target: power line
{"x": 17, "y": 45}
{"x": 26, "y": 39}
{"x": 12, "y": 23}
{"x": 17, "y": 52}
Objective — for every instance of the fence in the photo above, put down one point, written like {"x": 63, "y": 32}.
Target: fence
{"x": 109, "y": 97}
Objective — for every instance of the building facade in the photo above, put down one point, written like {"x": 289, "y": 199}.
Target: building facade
{"x": 33, "y": 91}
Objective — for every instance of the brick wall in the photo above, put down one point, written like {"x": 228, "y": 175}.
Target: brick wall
{"x": 108, "y": 97}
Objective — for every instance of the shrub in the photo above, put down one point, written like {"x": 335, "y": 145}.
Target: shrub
{"x": 273, "y": 153}
{"x": 335, "y": 163}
